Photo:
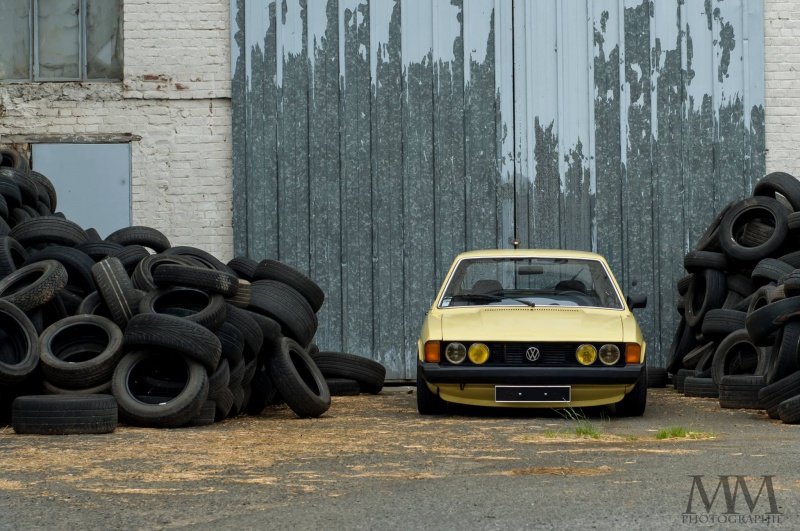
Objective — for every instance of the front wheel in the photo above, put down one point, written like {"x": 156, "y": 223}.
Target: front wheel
{"x": 634, "y": 403}
{"x": 428, "y": 403}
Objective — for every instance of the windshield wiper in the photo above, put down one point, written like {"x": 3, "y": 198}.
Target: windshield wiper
{"x": 489, "y": 297}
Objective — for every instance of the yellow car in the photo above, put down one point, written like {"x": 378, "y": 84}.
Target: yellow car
{"x": 532, "y": 328}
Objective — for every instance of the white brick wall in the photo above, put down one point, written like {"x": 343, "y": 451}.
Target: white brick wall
{"x": 781, "y": 84}
{"x": 176, "y": 97}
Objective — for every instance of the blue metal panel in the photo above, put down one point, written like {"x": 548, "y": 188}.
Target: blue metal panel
{"x": 93, "y": 182}
{"x": 375, "y": 139}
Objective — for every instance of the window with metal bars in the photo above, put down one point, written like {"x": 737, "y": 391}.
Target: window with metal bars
{"x": 60, "y": 40}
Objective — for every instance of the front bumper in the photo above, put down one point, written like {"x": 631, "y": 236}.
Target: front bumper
{"x": 434, "y": 373}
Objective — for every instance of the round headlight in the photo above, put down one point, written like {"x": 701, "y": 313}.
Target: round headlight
{"x": 455, "y": 353}
{"x": 478, "y": 353}
{"x": 609, "y": 354}
{"x": 586, "y": 354}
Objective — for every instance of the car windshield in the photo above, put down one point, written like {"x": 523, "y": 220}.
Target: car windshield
{"x": 514, "y": 281}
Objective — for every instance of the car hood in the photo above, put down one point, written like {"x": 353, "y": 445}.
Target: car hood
{"x": 521, "y": 324}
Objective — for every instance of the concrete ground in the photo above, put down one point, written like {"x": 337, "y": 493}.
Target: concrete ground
{"x": 373, "y": 463}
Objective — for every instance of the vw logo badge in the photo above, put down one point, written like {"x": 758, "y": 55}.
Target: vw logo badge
{"x": 532, "y": 353}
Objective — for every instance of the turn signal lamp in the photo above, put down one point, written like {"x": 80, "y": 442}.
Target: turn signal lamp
{"x": 432, "y": 352}
{"x": 633, "y": 353}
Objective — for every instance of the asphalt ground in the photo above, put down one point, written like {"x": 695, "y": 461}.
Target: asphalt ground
{"x": 373, "y": 463}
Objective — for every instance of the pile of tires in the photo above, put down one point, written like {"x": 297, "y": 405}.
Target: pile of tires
{"x": 738, "y": 337}
{"x": 131, "y": 328}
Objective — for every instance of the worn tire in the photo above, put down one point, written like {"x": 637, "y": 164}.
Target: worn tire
{"x": 343, "y": 387}
{"x": 12, "y": 256}
{"x": 285, "y": 305}
{"x": 138, "y": 235}
{"x": 274, "y": 270}
{"x": 19, "y": 351}
{"x": 48, "y": 230}
{"x": 206, "y": 309}
{"x": 737, "y": 392}
{"x": 117, "y": 290}
{"x": 771, "y": 396}
{"x": 368, "y": 373}
{"x": 175, "y": 334}
{"x": 64, "y": 414}
{"x": 789, "y": 410}
{"x": 182, "y": 407}
{"x": 80, "y": 352}
{"x": 718, "y": 324}
{"x": 766, "y": 210}
{"x": 298, "y": 379}
{"x": 783, "y": 360}
{"x": 196, "y": 277}
{"x": 244, "y": 267}
{"x": 700, "y": 387}
{"x": 33, "y": 285}
{"x": 707, "y": 291}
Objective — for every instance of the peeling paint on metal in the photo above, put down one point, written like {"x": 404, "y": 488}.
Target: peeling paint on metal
{"x": 374, "y": 139}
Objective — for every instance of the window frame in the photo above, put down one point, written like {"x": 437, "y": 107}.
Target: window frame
{"x": 33, "y": 57}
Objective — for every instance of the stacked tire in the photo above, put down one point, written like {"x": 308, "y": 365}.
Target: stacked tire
{"x": 739, "y": 303}
{"x": 164, "y": 335}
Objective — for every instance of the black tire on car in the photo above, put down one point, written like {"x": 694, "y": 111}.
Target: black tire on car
{"x": 634, "y": 402}
{"x": 657, "y": 377}
{"x": 428, "y": 402}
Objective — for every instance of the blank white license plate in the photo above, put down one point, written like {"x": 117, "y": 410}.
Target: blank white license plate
{"x": 532, "y": 393}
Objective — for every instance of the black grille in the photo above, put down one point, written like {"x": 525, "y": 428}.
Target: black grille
{"x": 550, "y": 354}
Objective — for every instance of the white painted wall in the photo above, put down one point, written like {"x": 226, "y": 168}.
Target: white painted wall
{"x": 781, "y": 83}
{"x": 176, "y": 97}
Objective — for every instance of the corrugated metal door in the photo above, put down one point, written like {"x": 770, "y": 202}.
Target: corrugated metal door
{"x": 374, "y": 140}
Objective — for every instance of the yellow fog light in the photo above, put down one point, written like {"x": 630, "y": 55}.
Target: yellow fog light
{"x": 586, "y": 354}
{"x": 478, "y": 353}
{"x": 455, "y": 353}
{"x": 609, "y": 354}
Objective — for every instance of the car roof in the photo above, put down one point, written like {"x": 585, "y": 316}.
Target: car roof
{"x": 527, "y": 253}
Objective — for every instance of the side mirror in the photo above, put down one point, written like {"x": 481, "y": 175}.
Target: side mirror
{"x": 636, "y": 300}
